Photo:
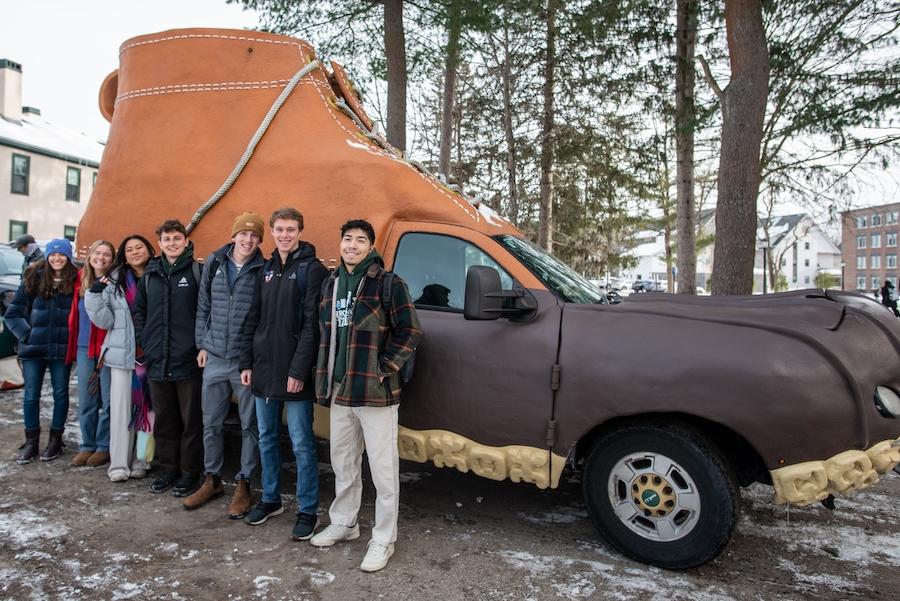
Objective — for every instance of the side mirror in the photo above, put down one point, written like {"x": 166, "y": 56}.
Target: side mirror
{"x": 484, "y": 298}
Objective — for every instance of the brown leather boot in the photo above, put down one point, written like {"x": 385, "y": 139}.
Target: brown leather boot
{"x": 81, "y": 458}
{"x": 241, "y": 502}
{"x": 210, "y": 489}
{"x": 98, "y": 458}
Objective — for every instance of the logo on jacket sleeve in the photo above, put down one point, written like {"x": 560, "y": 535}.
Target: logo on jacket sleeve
{"x": 183, "y": 282}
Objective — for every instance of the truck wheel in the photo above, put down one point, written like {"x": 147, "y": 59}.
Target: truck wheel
{"x": 661, "y": 495}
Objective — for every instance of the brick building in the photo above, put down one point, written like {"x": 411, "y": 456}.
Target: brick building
{"x": 869, "y": 247}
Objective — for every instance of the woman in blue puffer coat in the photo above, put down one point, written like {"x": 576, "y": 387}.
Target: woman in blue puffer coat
{"x": 39, "y": 318}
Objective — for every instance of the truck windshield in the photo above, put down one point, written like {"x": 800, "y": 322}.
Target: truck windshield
{"x": 556, "y": 275}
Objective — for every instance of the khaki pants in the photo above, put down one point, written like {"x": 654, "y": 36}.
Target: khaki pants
{"x": 373, "y": 429}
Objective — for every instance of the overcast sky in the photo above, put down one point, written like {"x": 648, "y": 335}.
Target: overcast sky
{"x": 67, "y": 48}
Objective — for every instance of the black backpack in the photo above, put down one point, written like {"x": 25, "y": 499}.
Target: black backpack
{"x": 408, "y": 368}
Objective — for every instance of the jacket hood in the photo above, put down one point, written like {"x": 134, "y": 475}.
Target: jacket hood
{"x": 222, "y": 253}
{"x": 370, "y": 264}
{"x": 303, "y": 251}
{"x": 156, "y": 263}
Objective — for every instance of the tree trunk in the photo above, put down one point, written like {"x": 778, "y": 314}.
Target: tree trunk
{"x": 511, "y": 159}
{"x": 454, "y": 27}
{"x": 684, "y": 145}
{"x": 395, "y": 55}
{"x": 743, "y": 112}
{"x": 545, "y": 218}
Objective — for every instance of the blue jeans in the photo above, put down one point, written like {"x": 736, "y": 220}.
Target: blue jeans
{"x": 33, "y": 371}
{"x": 93, "y": 410}
{"x": 299, "y": 416}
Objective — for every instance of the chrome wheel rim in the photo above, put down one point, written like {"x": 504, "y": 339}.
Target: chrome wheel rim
{"x": 654, "y": 496}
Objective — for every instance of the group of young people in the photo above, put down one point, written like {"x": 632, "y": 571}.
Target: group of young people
{"x": 161, "y": 345}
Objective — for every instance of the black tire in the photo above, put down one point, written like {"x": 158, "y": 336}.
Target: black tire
{"x": 713, "y": 522}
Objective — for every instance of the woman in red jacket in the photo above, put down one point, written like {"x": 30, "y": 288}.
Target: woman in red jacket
{"x": 85, "y": 340}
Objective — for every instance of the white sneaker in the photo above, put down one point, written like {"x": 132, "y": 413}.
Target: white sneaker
{"x": 138, "y": 473}
{"x": 119, "y": 475}
{"x": 334, "y": 533}
{"x": 376, "y": 557}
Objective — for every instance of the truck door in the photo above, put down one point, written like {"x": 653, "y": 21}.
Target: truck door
{"x": 487, "y": 381}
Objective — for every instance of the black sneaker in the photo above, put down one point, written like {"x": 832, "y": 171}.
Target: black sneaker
{"x": 305, "y": 526}
{"x": 262, "y": 512}
{"x": 186, "y": 486}
{"x": 163, "y": 483}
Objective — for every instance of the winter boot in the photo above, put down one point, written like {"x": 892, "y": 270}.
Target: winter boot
{"x": 209, "y": 490}
{"x": 241, "y": 502}
{"x": 54, "y": 445}
{"x": 30, "y": 448}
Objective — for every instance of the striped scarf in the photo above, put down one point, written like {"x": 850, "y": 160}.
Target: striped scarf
{"x": 140, "y": 389}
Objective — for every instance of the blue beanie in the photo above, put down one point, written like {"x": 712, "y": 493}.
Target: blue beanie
{"x": 61, "y": 246}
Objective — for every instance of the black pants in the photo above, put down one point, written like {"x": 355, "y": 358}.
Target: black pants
{"x": 178, "y": 429}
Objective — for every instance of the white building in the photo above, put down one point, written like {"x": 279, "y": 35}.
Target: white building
{"x": 799, "y": 250}
{"x": 47, "y": 172}
{"x": 797, "y": 247}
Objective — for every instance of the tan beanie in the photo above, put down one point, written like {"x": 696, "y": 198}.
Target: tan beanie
{"x": 248, "y": 222}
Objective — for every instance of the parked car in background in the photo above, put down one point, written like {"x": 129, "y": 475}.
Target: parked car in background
{"x": 11, "y": 266}
{"x": 646, "y": 286}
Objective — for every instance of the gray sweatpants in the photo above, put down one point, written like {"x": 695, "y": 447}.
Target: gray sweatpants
{"x": 220, "y": 378}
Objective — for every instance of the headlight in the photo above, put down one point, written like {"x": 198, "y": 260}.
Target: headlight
{"x": 887, "y": 401}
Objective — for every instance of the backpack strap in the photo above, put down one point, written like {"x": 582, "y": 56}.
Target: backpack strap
{"x": 387, "y": 287}
{"x": 212, "y": 267}
{"x": 197, "y": 268}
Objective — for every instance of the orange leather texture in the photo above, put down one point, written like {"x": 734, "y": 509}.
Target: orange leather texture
{"x": 186, "y": 103}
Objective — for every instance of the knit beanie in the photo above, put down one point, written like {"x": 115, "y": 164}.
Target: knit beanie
{"x": 248, "y": 222}
{"x": 61, "y": 246}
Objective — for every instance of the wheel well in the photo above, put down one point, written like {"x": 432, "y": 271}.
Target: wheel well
{"x": 747, "y": 464}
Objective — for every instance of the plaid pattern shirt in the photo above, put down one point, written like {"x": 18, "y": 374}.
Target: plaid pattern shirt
{"x": 379, "y": 344}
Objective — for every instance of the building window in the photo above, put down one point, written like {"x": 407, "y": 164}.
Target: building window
{"x": 73, "y": 184}
{"x": 875, "y": 262}
{"x": 876, "y": 219}
{"x": 69, "y": 232}
{"x": 21, "y": 168}
{"x": 17, "y": 228}
{"x": 806, "y": 245}
{"x": 806, "y": 279}
{"x": 892, "y": 279}
{"x": 891, "y": 261}
{"x": 860, "y": 242}
{"x": 862, "y": 222}
{"x": 860, "y": 262}
{"x": 876, "y": 240}
{"x": 806, "y": 262}
{"x": 891, "y": 239}
{"x": 890, "y": 218}
{"x": 876, "y": 284}
{"x": 861, "y": 282}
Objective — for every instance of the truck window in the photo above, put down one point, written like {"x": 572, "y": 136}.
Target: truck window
{"x": 556, "y": 275}
{"x": 434, "y": 267}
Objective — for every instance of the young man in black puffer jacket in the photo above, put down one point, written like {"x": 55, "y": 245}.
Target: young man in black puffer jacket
{"x": 164, "y": 319}
{"x": 278, "y": 354}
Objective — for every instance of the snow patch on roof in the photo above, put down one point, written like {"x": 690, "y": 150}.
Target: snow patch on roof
{"x": 43, "y": 135}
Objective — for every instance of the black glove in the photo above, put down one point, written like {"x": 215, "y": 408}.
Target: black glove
{"x": 98, "y": 287}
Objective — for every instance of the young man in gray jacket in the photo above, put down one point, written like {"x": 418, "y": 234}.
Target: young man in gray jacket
{"x": 226, "y": 294}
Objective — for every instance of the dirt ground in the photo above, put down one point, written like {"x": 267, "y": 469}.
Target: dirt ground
{"x": 70, "y": 533}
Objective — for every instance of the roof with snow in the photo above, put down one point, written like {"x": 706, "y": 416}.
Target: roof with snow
{"x": 37, "y": 135}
